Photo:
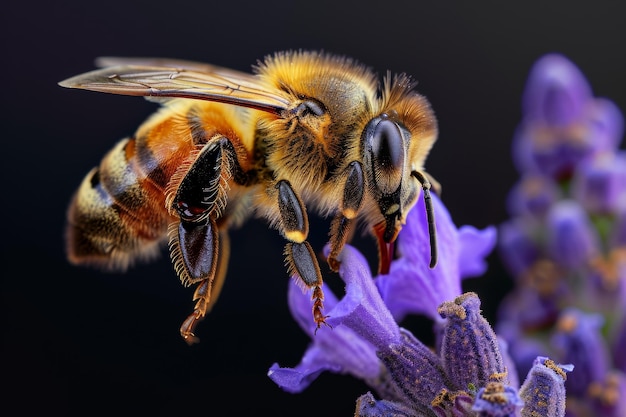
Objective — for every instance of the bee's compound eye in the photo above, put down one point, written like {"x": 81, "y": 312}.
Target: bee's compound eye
{"x": 387, "y": 146}
{"x": 385, "y": 143}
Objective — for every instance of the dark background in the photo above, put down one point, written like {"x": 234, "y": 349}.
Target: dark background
{"x": 76, "y": 341}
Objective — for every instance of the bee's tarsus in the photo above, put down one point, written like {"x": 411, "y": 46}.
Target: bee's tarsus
{"x": 318, "y": 307}
{"x": 188, "y": 327}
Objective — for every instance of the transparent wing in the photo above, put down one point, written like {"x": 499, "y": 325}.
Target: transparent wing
{"x": 156, "y": 77}
{"x": 116, "y": 61}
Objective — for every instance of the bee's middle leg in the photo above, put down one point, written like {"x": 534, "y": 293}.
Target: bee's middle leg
{"x": 301, "y": 259}
{"x": 342, "y": 225}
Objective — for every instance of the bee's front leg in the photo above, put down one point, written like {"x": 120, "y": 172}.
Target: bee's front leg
{"x": 301, "y": 259}
{"x": 343, "y": 223}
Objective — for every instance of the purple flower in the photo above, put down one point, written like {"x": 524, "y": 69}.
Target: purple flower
{"x": 368, "y": 406}
{"x": 362, "y": 308}
{"x": 415, "y": 371}
{"x": 339, "y": 350}
{"x": 565, "y": 243}
{"x": 556, "y": 92}
{"x": 543, "y": 391}
{"x": 608, "y": 397}
{"x": 517, "y": 246}
{"x": 572, "y": 240}
{"x": 453, "y": 404}
{"x": 600, "y": 182}
{"x": 497, "y": 400}
{"x": 411, "y": 287}
{"x": 532, "y": 196}
{"x": 470, "y": 349}
{"x": 580, "y": 342}
{"x": 365, "y": 341}
{"x": 563, "y": 123}
{"x": 467, "y": 376}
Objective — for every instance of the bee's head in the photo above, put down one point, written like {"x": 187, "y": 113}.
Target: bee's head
{"x": 385, "y": 144}
{"x": 395, "y": 144}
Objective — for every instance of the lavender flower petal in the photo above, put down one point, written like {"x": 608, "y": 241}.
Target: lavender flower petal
{"x": 517, "y": 248}
{"x": 497, "y": 400}
{"x": 556, "y": 91}
{"x": 475, "y": 246}
{"x": 299, "y": 378}
{"x": 412, "y": 287}
{"x": 368, "y": 406}
{"x": 415, "y": 370}
{"x": 572, "y": 239}
{"x": 600, "y": 182}
{"x": 579, "y": 339}
{"x": 543, "y": 391}
{"x": 608, "y": 397}
{"x": 532, "y": 196}
{"x": 453, "y": 404}
{"x": 337, "y": 350}
{"x": 563, "y": 123}
{"x": 469, "y": 348}
{"x": 362, "y": 309}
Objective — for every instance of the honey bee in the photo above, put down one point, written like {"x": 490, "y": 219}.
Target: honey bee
{"x": 305, "y": 130}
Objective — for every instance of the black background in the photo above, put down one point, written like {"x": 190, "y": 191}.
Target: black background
{"x": 76, "y": 341}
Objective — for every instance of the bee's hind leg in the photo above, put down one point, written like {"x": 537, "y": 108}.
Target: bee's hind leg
{"x": 300, "y": 257}
{"x": 198, "y": 249}
{"x": 207, "y": 292}
{"x": 201, "y": 294}
{"x": 194, "y": 249}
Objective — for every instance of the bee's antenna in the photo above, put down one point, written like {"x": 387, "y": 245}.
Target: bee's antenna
{"x": 430, "y": 215}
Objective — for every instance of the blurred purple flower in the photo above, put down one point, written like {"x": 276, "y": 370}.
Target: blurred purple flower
{"x": 608, "y": 397}
{"x": 572, "y": 240}
{"x": 579, "y": 341}
{"x": 517, "y": 246}
{"x": 565, "y": 243}
{"x": 563, "y": 123}
{"x": 556, "y": 92}
{"x": 532, "y": 196}
{"x": 600, "y": 182}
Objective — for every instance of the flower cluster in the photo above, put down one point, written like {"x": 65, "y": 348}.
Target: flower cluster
{"x": 467, "y": 372}
{"x": 565, "y": 243}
